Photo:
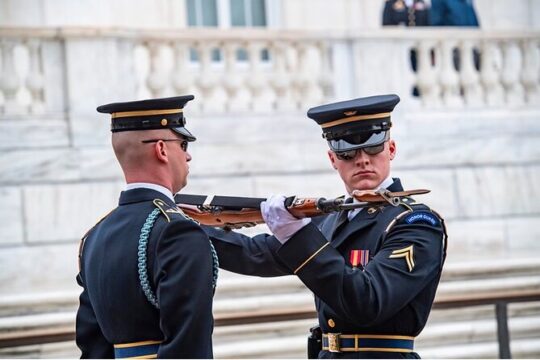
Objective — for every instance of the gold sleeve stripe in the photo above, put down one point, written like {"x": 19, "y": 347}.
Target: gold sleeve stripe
{"x": 122, "y": 114}
{"x": 310, "y": 258}
{"x": 355, "y": 118}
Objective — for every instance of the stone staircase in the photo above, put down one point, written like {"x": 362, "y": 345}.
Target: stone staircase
{"x": 468, "y": 332}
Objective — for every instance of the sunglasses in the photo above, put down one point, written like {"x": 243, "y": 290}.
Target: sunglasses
{"x": 183, "y": 144}
{"x": 351, "y": 154}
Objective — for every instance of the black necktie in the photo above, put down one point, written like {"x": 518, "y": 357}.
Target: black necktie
{"x": 342, "y": 219}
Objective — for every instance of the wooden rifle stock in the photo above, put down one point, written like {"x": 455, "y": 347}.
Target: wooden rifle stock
{"x": 218, "y": 214}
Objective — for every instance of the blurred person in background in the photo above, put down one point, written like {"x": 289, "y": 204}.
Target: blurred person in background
{"x": 453, "y": 13}
{"x": 456, "y": 13}
{"x": 410, "y": 13}
{"x": 405, "y": 12}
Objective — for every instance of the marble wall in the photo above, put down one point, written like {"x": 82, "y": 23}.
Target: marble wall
{"x": 480, "y": 165}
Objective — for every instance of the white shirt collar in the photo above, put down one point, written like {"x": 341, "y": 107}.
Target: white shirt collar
{"x": 386, "y": 183}
{"x": 156, "y": 187}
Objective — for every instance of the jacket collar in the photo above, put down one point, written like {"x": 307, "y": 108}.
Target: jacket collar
{"x": 362, "y": 220}
{"x": 140, "y": 195}
{"x": 396, "y": 185}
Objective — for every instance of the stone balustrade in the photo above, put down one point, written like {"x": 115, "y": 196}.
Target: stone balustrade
{"x": 42, "y": 71}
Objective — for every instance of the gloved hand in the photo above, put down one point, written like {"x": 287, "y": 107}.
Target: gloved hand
{"x": 280, "y": 221}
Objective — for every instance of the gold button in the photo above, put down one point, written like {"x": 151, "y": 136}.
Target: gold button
{"x": 164, "y": 122}
{"x": 371, "y": 210}
{"x": 331, "y": 323}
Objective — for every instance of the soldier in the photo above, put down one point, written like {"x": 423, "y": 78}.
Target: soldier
{"x": 147, "y": 272}
{"x": 374, "y": 272}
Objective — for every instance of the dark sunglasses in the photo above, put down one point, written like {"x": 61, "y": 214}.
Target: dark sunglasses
{"x": 351, "y": 154}
{"x": 183, "y": 144}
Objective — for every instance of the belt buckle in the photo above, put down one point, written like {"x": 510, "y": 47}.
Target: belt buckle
{"x": 333, "y": 342}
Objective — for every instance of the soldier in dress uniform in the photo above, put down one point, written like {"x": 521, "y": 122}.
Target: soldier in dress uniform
{"x": 374, "y": 272}
{"x": 147, "y": 272}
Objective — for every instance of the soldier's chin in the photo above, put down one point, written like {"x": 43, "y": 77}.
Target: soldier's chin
{"x": 365, "y": 184}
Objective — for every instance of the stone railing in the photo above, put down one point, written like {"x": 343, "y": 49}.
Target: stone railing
{"x": 46, "y": 71}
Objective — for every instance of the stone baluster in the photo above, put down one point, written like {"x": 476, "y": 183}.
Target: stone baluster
{"x": 427, "y": 76}
{"x": 308, "y": 72}
{"x": 325, "y": 79}
{"x": 469, "y": 76}
{"x": 490, "y": 73}
{"x": 182, "y": 78}
{"x": 531, "y": 71}
{"x": 157, "y": 78}
{"x": 9, "y": 80}
{"x": 208, "y": 82}
{"x": 510, "y": 78}
{"x": 292, "y": 58}
{"x": 233, "y": 80}
{"x": 35, "y": 81}
{"x": 262, "y": 97}
{"x": 281, "y": 80}
{"x": 448, "y": 75}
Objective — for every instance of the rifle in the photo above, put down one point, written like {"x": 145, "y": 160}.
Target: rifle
{"x": 237, "y": 212}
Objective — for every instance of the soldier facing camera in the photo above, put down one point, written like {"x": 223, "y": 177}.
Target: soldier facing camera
{"x": 374, "y": 271}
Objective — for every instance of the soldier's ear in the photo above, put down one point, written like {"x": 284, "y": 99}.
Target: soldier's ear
{"x": 332, "y": 158}
{"x": 161, "y": 151}
{"x": 392, "y": 148}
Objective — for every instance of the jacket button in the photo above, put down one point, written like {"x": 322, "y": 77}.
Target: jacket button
{"x": 371, "y": 210}
{"x": 331, "y": 323}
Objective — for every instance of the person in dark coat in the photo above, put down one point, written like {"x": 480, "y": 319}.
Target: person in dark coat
{"x": 407, "y": 13}
{"x": 453, "y": 13}
{"x": 147, "y": 272}
{"x": 374, "y": 272}
{"x": 456, "y": 13}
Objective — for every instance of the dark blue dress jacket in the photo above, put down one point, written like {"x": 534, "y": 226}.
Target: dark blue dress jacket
{"x": 113, "y": 307}
{"x": 392, "y": 295}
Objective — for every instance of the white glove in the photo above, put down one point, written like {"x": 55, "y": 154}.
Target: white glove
{"x": 280, "y": 221}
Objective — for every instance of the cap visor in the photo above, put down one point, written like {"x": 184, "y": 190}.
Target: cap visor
{"x": 351, "y": 143}
{"x": 185, "y": 133}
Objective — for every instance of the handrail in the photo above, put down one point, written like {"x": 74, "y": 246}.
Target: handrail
{"x": 498, "y": 298}
{"x": 216, "y": 34}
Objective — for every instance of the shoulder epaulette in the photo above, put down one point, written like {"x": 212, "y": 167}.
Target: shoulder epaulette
{"x": 167, "y": 210}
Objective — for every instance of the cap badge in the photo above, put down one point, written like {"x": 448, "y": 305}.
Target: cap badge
{"x": 350, "y": 113}
{"x": 164, "y": 122}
